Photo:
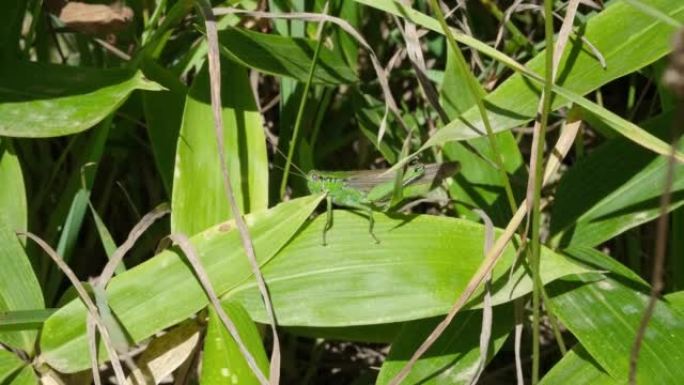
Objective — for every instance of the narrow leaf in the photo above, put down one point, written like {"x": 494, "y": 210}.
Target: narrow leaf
{"x": 613, "y": 189}
{"x": 9, "y": 364}
{"x": 39, "y": 100}
{"x": 284, "y": 56}
{"x": 222, "y": 361}
{"x": 19, "y": 288}
{"x": 199, "y": 199}
{"x": 604, "y": 316}
{"x": 577, "y": 367}
{"x": 454, "y": 357}
{"x": 13, "y": 192}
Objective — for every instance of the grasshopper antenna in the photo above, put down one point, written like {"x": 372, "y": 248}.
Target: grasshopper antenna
{"x": 297, "y": 172}
{"x": 277, "y": 150}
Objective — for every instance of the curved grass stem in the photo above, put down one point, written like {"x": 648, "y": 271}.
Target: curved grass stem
{"x": 300, "y": 112}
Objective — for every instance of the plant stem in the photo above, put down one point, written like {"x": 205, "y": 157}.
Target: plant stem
{"x": 477, "y": 95}
{"x": 536, "y": 200}
{"x": 300, "y": 112}
{"x": 518, "y": 37}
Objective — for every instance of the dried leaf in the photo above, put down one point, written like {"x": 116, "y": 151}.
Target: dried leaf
{"x": 95, "y": 19}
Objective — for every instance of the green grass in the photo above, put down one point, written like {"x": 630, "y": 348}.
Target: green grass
{"x": 91, "y": 141}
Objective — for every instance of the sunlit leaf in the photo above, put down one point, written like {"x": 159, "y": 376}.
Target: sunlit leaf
{"x": 199, "y": 198}
{"x": 39, "y": 100}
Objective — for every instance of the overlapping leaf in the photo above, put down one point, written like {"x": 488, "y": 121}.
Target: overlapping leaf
{"x": 39, "y": 100}
{"x": 284, "y": 56}
{"x": 199, "y": 199}
{"x": 615, "y": 188}
{"x": 163, "y": 291}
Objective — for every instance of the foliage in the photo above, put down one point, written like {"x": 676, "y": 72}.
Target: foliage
{"x": 101, "y": 120}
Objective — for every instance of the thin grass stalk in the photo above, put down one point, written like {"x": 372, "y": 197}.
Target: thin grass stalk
{"x": 628, "y": 129}
{"x": 203, "y": 278}
{"x": 518, "y": 37}
{"x": 91, "y": 308}
{"x": 536, "y": 197}
{"x": 477, "y": 95}
{"x": 300, "y": 111}
{"x": 560, "y": 151}
{"x": 245, "y": 237}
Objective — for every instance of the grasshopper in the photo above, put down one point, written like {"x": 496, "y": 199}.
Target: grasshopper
{"x": 369, "y": 190}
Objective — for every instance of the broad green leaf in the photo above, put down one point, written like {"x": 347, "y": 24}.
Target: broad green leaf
{"x": 199, "y": 198}
{"x": 417, "y": 270}
{"x": 19, "y": 288}
{"x": 222, "y": 361}
{"x": 627, "y": 38}
{"x": 676, "y": 300}
{"x": 13, "y": 192}
{"x": 39, "y": 100}
{"x": 478, "y": 183}
{"x": 577, "y": 368}
{"x": 163, "y": 291}
{"x": 66, "y": 218}
{"x": 24, "y": 319}
{"x": 604, "y": 316}
{"x": 163, "y": 114}
{"x": 603, "y": 262}
{"x": 9, "y": 364}
{"x": 454, "y": 357}
{"x": 350, "y": 12}
{"x": 613, "y": 189}
{"x": 284, "y": 56}
{"x": 26, "y": 376}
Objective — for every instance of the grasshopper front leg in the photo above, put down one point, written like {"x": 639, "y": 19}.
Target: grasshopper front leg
{"x": 328, "y": 217}
{"x": 371, "y": 223}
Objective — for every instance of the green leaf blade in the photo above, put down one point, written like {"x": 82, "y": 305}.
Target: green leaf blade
{"x": 222, "y": 360}
{"x": 416, "y": 271}
{"x": 163, "y": 291}
{"x": 605, "y": 314}
{"x": 19, "y": 287}
{"x": 284, "y": 56}
{"x": 199, "y": 198}
{"x": 39, "y": 100}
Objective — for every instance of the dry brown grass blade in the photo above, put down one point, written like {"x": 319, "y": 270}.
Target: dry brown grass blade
{"x": 92, "y": 349}
{"x": 215, "y": 86}
{"x": 380, "y": 73}
{"x": 87, "y": 301}
{"x": 133, "y": 236}
{"x": 184, "y": 243}
{"x": 165, "y": 354}
{"x": 415, "y": 55}
{"x": 517, "y": 343}
{"x": 487, "y": 312}
{"x": 95, "y": 19}
{"x": 560, "y": 151}
{"x": 563, "y": 36}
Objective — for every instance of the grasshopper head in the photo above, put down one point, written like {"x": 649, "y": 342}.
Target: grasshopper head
{"x": 315, "y": 182}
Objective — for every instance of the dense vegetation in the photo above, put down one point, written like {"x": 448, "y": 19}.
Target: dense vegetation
{"x": 132, "y": 133}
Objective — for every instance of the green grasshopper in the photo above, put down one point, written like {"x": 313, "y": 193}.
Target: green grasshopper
{"x": 369, "y": 190}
